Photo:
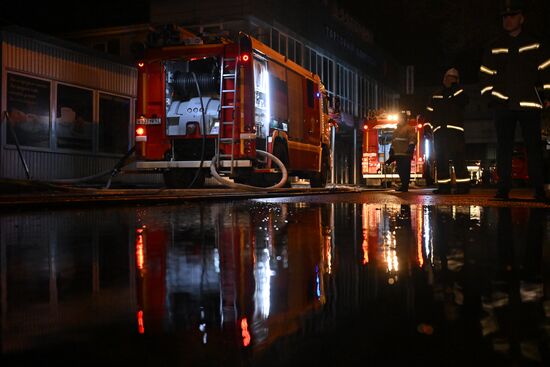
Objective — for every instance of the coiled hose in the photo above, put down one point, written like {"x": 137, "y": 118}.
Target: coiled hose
{"x": 235, "y": 185}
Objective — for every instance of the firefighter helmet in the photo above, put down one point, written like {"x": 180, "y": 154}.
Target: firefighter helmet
{"x": 451, "y": 72}
{"x": 511, "y": 7}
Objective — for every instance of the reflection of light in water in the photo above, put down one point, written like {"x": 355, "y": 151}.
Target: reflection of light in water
{"x": 244, "y": 332}
{"x": 454, "y": 212}
{"x": 140, "y": 256}
{"x": 419, "y": 221}
{"x": 390, "y": 253}
{"x": 328, "y": 251}
{"x": 428, "y": 236}
{"x": 365, "y": 226}
{"x": 141, "y": 328}
{"x": 216, "y": 256}
{"x": 202, "y": 327}
{"x": 318, "y": 282}
{"x": 262, "y": 276}
{"x": 475, "y": 212}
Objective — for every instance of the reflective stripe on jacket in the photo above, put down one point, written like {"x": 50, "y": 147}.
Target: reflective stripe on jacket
{"x": 402, "y": 137}
{"x": 514, "y": 72}
{"x": 446, "y": 106}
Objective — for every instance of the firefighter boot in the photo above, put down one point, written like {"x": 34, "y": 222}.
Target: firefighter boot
{"x": 540, "y": 195}
{"x": 463, "y": 188}
{"x": 443, "y": 189}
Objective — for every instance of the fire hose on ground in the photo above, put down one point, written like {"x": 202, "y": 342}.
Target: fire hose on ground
{"x": 234, "y": 185}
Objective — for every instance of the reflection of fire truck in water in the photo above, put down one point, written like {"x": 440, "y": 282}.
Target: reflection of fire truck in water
{"x": 234, "y": 106}
{"x": 236, "y": 280}
{"x": 377, "y": 135}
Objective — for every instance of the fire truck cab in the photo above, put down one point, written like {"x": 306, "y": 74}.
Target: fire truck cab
{"x": 234, "y": 105}
{"x": 378, "y": 129}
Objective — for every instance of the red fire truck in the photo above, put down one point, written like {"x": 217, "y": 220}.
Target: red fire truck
{"x": 377, "y": 135}
{"x": 235, "y": 110}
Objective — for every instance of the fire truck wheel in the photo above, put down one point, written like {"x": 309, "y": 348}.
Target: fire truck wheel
{"x": 183, "y": 178}
{"x": 280, "y": 150}
{"x": 320, "y": 179}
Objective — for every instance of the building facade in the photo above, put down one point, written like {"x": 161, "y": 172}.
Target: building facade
{"x": 316, "y": 34}
{"x": 66, "y": 110}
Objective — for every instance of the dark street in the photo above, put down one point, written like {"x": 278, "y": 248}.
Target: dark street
{"x": 345, "y": 279}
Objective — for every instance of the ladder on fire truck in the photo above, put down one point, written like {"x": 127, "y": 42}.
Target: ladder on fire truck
{"x": 225, "y": 241}
{"x": 228, "y": 97}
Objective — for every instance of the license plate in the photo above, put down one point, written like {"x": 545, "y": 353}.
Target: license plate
{"x": 148, "y": 121}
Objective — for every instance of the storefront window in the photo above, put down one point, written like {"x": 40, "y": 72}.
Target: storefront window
{"x": 28, "y": 105}
{"x": 74, "y": 129}
{"x": 114, "y": 119}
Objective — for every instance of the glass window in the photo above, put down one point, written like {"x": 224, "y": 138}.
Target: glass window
{"x": 313, "y": 62}
{"x": 278, "y": 94}
{"x": 345, "y": 86}
{"x": 114, "y": 121}
{"x": 326, "y": 74}
{"x": 73, "y": 121}
{"x": 350, "y": 85}
{"x": 291, "y": 53}
{"x": 330, "y": 78}
{"x": 338, "y": 89}
{"x": 307, "y": 55}
{"x": 261, "y": 98}
{"x": 299, "y": 53}
{"x": 282, "y": 45}
{"x": 28, "y": 105}
{"x": 275, "y": 39}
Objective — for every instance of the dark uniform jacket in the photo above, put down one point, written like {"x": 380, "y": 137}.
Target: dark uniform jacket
{"x": 446, "y": 108}
{"x": 403, "y": 137}
{"x": 514, "y": 69}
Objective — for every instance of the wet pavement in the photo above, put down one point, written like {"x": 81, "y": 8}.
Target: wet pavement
{"x": 378, "y": 279}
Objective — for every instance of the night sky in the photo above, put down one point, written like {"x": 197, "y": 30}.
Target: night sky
{"x": 433, "y": 35}
{"x": 55, "y": 16}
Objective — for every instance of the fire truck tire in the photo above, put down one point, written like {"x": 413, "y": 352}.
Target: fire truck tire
{"x": 183, "y": 178}
{"x": 320, "y": 179}
{"x": 280, "y": 150}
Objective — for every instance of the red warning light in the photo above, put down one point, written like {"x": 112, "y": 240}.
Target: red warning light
{"x": 365, "y": 127}
{"x": 420, "y": 126}
{"x": 245, "y": 333}
{"x": 140, "y": 131}
{"x": 141, "y": 328}
{"x": 141, "y": 64}
{"x": 245, "y": 57}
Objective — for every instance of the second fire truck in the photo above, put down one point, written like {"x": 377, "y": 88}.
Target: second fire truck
{"x": 377, "y": 135}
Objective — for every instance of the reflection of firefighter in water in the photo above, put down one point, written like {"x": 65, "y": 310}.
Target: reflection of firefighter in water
{"x": 459, "y": 273}
{"x": 514, "y": 304}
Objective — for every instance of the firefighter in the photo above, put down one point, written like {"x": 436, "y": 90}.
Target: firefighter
{"x": 514, "y": 75}
{"x": 402, "y": 149}
{"x": 446, "y": 116}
